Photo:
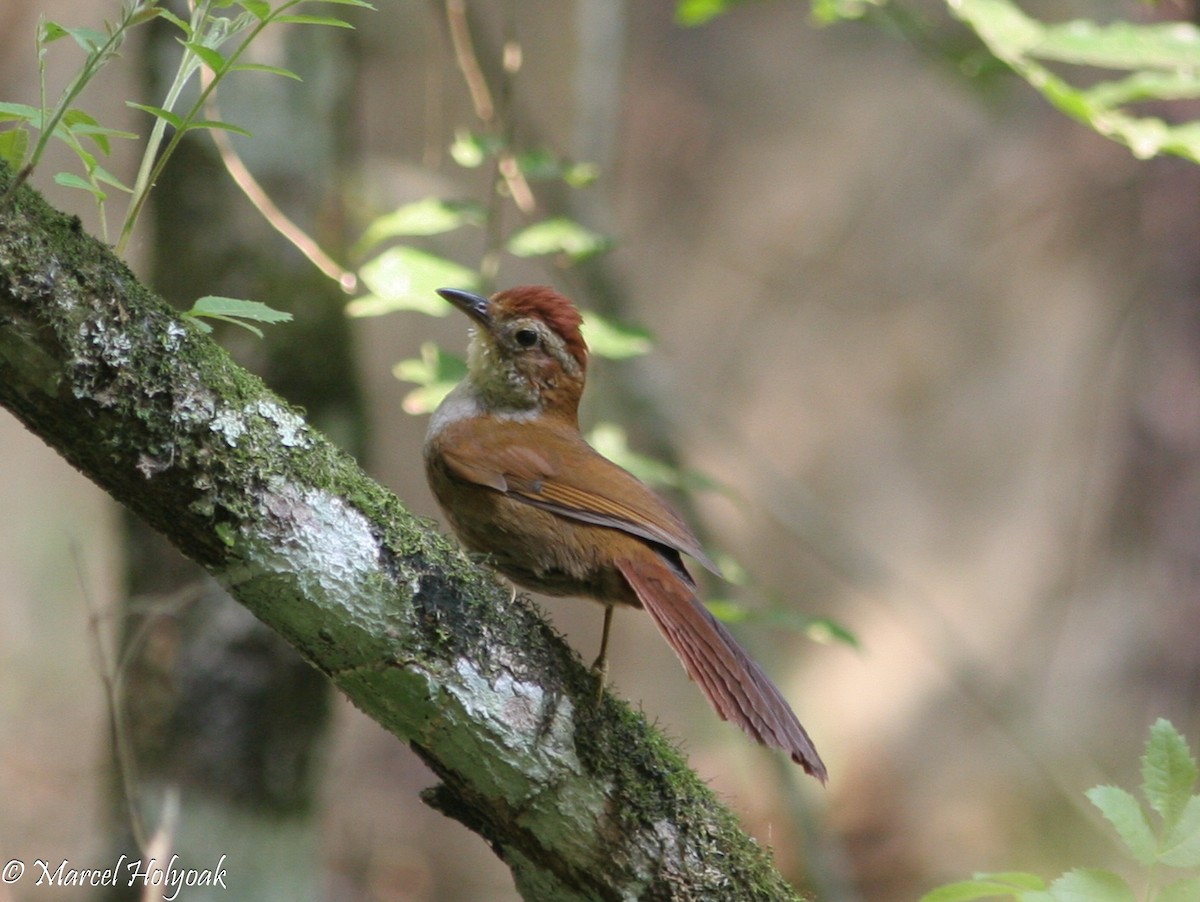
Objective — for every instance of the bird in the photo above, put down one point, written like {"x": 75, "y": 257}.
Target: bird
{"x": 520, "y": 486}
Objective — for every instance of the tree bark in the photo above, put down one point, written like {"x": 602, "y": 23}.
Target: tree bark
{"x": 581, "y": 799}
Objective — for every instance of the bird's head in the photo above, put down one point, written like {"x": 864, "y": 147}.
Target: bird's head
{"x": 526, "y": 353}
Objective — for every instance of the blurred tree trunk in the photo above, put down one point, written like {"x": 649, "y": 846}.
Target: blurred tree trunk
{"x": 218, "y": 709}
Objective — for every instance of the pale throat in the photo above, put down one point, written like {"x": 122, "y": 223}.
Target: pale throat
{"x": 499, "y": 386}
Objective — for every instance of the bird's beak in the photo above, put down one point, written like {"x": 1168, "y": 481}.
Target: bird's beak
{"x": 473, "y": 305}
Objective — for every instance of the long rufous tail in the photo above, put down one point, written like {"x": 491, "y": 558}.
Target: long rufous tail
{"x": 736, "y": 687}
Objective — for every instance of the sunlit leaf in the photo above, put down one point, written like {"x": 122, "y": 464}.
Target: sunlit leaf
{"x": 431, "y": 216}
{"x": 697, "y": 12}
{"x": 827, "y": 12}
{"x": 469, "y": 150}
{"x": 1124, "y": 812}
{"x": 615, "y": 340}
{"x": 404, "y": 278}
{"x": 1163, "y": 58}
{"x": 435, "y": 373}
{"x": 1187, "y": 890}
{"x": 611, "y": 441}
{"x": 1181, "y": 845}
{"x": 558, "y": 235}
{"x": 1168, "y": 771}
{"x": 1121, "y": 45}
{"x": 14, "y": 143}
{"x": 49, "y": 31}
{"x": 235, "y": 311}
{"x": 580, "y": 175}
{"x": 1028, "y": 887}
{"x": 1091, "y": 885}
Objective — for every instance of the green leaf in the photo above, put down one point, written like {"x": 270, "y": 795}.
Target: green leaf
{"x": 182, "y": 24}
{"x": 435, "y": 374}
{"x": 986, "y": 886}
{"x": 235, "y": 311}
{"x": 173, "y": 120}
{"x": 210, "y": 57}
{"x": 301, "y": 19}
{"x": 82, "y": 124}
{"x": 145, "y": 14}
{"x": 362, "y": 4}
{"x": 1125, "y": 814}
{"x": 827, "y": 12}
{"x": 470, "y": 151}
{"x": 1121, "y": 45}
{"x": 49, "y": 32}
{"x": 1166, "y": 56}
{"x": 87, "y": 38}
{"x": 538, "y": 165}
{"x": 100, "y": 174}
{"x": 22, "y": 112}
{"x": 260, "y": 9}
{"x": 431, "y": 216}
{"x": 263, "y": 67}
{"x": 218, "y": 124}
{"x": 1091, "y": 885}
{"x": 1181, "y": 891}
{"x": 558, "y": 235}
{"x": 71, "y": 180}
{"x": 616, "y": 341}
{"x": 214, "y": 305}
{"x": 1181, "y": 844}
{"x": 697, "y": 12}
{"x": 14, "y": 142}
{"x": 1168, "y": 771}
{"x": 92, "y": 130}
{"x": 580, "y": 175}
{"x": 404, "y": 278}
{"x": 1142, "y": 86}
{"x": 827, "y": 631}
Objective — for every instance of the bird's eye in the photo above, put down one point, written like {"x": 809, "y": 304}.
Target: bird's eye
{"x": 526, "y": 338}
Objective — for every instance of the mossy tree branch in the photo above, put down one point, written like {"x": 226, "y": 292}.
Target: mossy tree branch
{"x": 581, "y": 800}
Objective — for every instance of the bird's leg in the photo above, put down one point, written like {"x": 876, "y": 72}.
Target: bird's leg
{"x": 600, "y": 665}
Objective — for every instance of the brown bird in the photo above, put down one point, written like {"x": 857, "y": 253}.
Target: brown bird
{"x": 518, "y": 483}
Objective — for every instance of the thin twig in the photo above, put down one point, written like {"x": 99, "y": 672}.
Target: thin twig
{"x": 267, "y": 208}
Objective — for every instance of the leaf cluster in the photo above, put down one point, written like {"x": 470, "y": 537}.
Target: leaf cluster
{"x": 1162, "y": 840}
{"x": 1113, "y": 71}
{"x": 213, "y": 39}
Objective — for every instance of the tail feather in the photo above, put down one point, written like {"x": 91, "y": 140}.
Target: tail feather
{"x": 735, "y": 686}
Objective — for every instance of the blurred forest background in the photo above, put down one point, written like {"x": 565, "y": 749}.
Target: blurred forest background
{"x": 941, "y": 344}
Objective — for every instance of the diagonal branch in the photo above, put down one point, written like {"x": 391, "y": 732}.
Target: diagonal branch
{"x": 582, "y": 800}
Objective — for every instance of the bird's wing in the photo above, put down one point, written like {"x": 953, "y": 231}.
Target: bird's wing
{"x": 502, "y": 458}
